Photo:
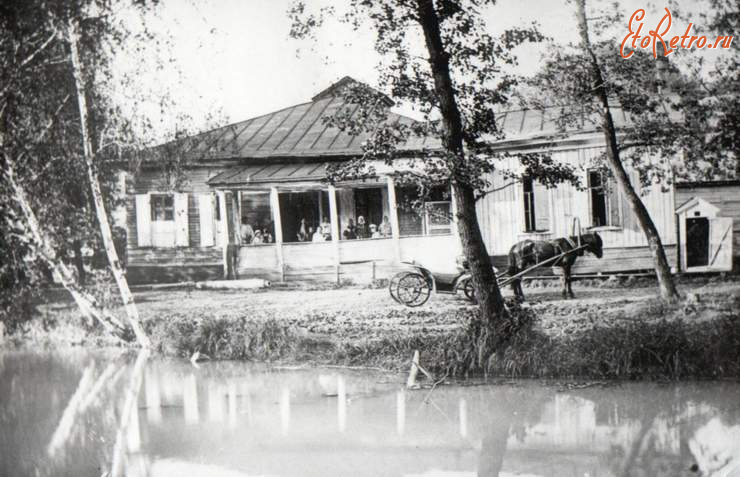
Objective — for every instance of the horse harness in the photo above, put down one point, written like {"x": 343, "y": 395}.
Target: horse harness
{"x": 558, "y": 249}
{"x": 561, "y": 252}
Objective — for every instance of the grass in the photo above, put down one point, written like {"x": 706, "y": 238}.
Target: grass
{"x": 657, "y": 346}
{"x": 594, "y": 338}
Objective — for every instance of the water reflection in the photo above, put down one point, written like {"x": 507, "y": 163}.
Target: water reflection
{"x": 152, "y": 417}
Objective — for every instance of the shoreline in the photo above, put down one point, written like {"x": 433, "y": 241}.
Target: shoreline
{"x": 613, "y": 332}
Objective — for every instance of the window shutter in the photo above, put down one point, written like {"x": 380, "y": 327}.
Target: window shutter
{"x": 181, "y": 220}
{"x": 205, "y": 211}
{"x": 541, "y": 207}
{"x": 143, "y": 221}
{"x": 615, "y": 206}
{"x": 581, "y": 206}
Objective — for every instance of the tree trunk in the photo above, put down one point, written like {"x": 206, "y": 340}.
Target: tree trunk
{"x": 487, "y": 292}
{"x": 665, "y": 281}
{"x": 97, "y": 196}
{"x": 86, "y": 302}
{"x": 79, "y": 262}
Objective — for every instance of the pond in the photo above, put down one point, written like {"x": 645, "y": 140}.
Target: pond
{"x": 84, "y": 413}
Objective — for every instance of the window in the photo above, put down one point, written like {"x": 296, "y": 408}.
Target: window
{"x": 162, "y": 207}
{"x": 529, "y": 212}
{"x": 363, "y": 213}
{"x": 433, "y": 217}
{"x": 604, "y": 200}
{"x": 305, "y": 216}
{"x": 438, "y": 217}
{"x": 536, "y": 206}
{"x": 255, "y": 224}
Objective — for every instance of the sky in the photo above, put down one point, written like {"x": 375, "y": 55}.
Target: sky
{"x": 230, "y": 60}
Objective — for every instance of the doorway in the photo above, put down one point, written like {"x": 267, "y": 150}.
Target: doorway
{"x": 369, "y": 204}
{"x": 310, "y": 206}
{"x": 697, "y": 242}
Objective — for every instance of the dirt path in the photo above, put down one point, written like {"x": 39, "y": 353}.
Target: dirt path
{"x": 358, "y": 312}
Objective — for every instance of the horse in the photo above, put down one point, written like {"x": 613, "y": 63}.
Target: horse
{"x": 528, "y": 253}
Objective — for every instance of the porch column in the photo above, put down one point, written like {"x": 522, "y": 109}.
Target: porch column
{"x": 334, "y": 217}
{"x": 233, "y": 255}
{"x": 395, "y": 229}
{"x": 275, "y": 206}
{"x": 236, "y": 216}
{"x": 223, "y": 228}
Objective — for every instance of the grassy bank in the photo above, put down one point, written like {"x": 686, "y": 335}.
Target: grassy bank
{"x": 661, "y": 345}
{"x": 613, "y": 331}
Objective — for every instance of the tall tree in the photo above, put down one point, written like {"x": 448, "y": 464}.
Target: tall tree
{"x": 439, "y": 57}
{"x": 73, "y": 37}
{"x": 53, "y": 54}
{"x": 598, "y": 86}
{"x": 586, "y": 81}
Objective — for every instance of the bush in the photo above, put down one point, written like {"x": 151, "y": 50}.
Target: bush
{"x": 223, "y": 338}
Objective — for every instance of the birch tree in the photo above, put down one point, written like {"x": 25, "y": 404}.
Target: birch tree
{"x": 58, "y": 116}
{"x": 97, "y": 196}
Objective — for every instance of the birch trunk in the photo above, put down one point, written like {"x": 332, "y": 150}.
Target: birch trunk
{"x": 665, "y": 281}
{"x": 487, "y": 292}
{"x": 129, "y": 305}
{"x": 86, "y": 302}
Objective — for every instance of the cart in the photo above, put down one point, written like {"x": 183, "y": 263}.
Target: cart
{"x": 414, "y": 287}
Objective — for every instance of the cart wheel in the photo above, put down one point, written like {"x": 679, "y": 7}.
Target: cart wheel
{"x": 469, "y": 290}
{"x": 393, "y": 286}
{"x": 410, "y": 289}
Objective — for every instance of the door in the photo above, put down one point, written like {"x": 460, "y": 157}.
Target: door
{"x": 697, "y": 242}
{"x": 720, "y": 243}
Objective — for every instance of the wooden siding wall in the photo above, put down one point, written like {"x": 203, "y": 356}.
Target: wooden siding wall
{"x": 194, "y": 180}
{"x": 437, "y": 252}
{"x": 501, "y": 213}
{"x": 360, "y": 260}
{"x": 726, "y": 198}
{"x": 165, "y": 264}
{"x": 258, "y": 260}
{"x": 366, "y": 250}
{"x": 168, "y": 265}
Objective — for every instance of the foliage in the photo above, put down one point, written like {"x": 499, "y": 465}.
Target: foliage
{"x": 680, "y": 122}
{"x": 40, "y": 130}
{"x": 478, "y": 62}
{"x": 457, "y": 80}
{"x": 224, "y": 338}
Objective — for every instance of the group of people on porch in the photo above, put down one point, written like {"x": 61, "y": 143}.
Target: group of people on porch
{"x": 364, "y": 230}
{"x": 322, "y": 233}
{"x": 254, "y": 235}
{"x": 351, "y": 231}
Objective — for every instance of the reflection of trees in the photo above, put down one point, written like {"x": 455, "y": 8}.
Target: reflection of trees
{"x": 511, "y": 413}
{"x": 673, "y": 416}
{"x": 493, "y": 449}
{"x": 130, "y": 406}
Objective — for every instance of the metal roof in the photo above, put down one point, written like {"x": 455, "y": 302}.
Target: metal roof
{"x": 301, "y": 131}
{"x": 524, "y": 123}
{"x": 296, "y": 131}
{"x": 262, "y": 173}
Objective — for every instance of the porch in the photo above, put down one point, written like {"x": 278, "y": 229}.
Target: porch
{"x": 300, "y": 228}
